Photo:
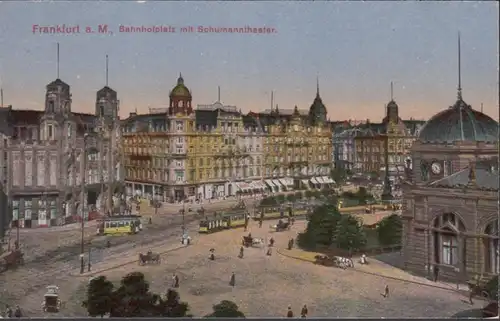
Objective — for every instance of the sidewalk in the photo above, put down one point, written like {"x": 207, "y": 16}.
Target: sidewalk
{"x": 120, "y": 260}
{"x": 379, "y": 269}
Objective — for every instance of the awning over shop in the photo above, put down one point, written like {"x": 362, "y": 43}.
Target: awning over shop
{"x": 259, "y": 185}
{"x": 242, "y": 186}
{"x": 305, "y": 182}
{"x": 314, "y": 181}
{"x": 269, "y": 183}
{"x": 283, "y": 181}
{"x": 320, "y": 180}
{"x": 289, "y": 181}
{"x": 276, "y": 182}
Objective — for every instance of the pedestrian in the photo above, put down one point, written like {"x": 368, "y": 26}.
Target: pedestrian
{"x": 303, "y": 313}
{"x": 18, "y": 313}
{"x": 241, "y": 252}
{"x": 212, "y": 255}
{"x": 269, "y": 251}
{"x": 8, "y": 312}
{"x": 271, "y": 242}
{"x": 436, "y": 272}
{"x": 108, "y": 244}
{"x": 471, "y": 295}
{"x": 289, "y": 313}
{"x": 173, "y": 280}
{"x": 176, "y": 281}
{"x": 232, "y": 281}
{"x": 260, "y": 223}
{"x": 386, "y": 292}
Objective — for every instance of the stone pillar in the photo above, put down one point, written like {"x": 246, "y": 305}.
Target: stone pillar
{"x": 143, "y": 190}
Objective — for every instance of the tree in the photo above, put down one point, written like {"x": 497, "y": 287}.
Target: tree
{"x": 349, "y": 233}
{"x": 280, "y": 198}
{"x": 309, "y": 194}
{"x": 268, "y": 201}
{"x": 226, "y": 309}
{"x": 133, "y": 299}
{"x": 290, "y": 198}
{"x": 320, "y": 227}
{"x": 492, "y": 288}
{"x": 171, "y": 306}
{"x": 299, "y": 195}
{"x": 389, "y": 230}
{"x": 99, "y": 292}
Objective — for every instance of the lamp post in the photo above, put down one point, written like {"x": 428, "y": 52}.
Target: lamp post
{"x": 82, "y": 203}
{"x": 89, "y": 264}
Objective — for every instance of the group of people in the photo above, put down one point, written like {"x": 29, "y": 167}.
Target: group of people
{"x": 16, "y": 313}
{"x": 303, "y": 312}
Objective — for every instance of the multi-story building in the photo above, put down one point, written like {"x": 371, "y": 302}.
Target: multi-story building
{"x": 49, "y": 151}
{"x": 370, "y": 145}
{"x": 211, "y": 152}
{"x": 344, "y": 148}
{"x": 400, "y": 135}
{"x": 297, "y": 148}
{"x": 215, "y": 151}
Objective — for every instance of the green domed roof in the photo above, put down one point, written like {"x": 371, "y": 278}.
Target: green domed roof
{"x": 180, "y": 90}
{"x": 460, "y": 123}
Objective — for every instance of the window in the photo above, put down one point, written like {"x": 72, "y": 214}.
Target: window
{"x": 491, "y": 248}
{"x": 69, "y": 130}
{"x": 447, "y": 243}
{"x": 51, "y": 107}
{"x": 449, "y": 250}
{"x": 179, "y": 125}
{"x": 50, "y": 131}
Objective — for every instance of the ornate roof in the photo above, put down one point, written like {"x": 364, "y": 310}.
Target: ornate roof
{"x": 56, "y": 83}
{"x": 480, "y": 175}
{"x": 180, "y": 90}
{"x": 459, "y": 123}
{"x": 317, "y": 111}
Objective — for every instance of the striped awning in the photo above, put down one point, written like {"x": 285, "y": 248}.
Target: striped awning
{"x": 305, "y": 181}
{"x": 276, "y": 182}
{"x": 320, "y": 180}
{"x": 314, "y": 181}
{"x": 269, "y": 183}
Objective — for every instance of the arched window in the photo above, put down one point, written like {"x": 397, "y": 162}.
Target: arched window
{"x": 446, "y": 242}
{"x": 491, "y": 248}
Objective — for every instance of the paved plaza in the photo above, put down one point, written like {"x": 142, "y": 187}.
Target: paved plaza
{"x": 265, "y": 286}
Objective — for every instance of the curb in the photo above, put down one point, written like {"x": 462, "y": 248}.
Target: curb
{"x": 92, "y": 273}
{"x": 378, "y": 275}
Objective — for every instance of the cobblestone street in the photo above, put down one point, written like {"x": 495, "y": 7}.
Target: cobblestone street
{"x": 265, "y": 286}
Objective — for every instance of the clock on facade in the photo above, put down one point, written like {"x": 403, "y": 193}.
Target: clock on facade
{"x": 436, "y": 168}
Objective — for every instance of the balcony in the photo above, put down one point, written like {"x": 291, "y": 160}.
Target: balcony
{"x": 298, "y": 163}
{"x": 177, "y": 155}
{"x": 296, "y": 143}
{"x": 232, "y": 152}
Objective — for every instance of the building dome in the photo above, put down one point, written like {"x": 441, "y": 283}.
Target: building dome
{"x": 459, "y": 123}
{"x": 180, "y": 90}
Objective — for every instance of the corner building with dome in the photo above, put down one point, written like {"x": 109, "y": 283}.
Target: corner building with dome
{"x": 450, "y": 215}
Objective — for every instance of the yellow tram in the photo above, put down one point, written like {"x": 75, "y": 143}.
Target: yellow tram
{"x": 120, "y": 225}
{"x": 222, "y": 222}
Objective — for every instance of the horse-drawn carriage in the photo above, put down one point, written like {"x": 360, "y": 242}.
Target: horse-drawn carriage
{"x": 281, "y": 226}
{"x": 249, "y": 241}
{"x": 335, "y": 261}
{"x": 149, "y": 258}
{"x": 11, "y": 259}
{"x": 51, "y": 302}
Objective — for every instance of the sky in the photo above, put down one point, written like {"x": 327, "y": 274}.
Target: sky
{"x": 355, "y": 49}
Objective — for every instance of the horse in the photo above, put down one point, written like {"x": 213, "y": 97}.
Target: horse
{"x": 343, "y": 262}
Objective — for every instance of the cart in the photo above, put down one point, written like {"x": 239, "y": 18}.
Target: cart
{"x": 51, "y": 302}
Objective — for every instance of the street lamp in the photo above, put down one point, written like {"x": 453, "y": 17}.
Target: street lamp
{"x": 82, "y": 202}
